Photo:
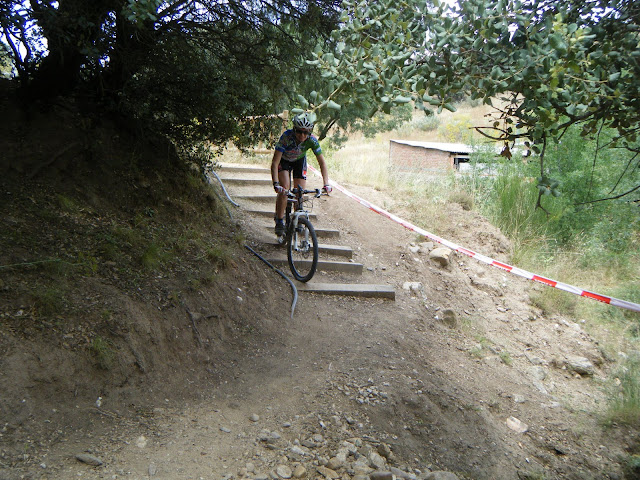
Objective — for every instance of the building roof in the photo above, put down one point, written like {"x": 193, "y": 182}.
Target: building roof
{"x": 445, "y": 147}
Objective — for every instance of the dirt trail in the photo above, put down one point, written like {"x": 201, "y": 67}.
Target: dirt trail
{"x": 436, "y": 381}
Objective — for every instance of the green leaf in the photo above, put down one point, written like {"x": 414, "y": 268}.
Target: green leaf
{"x": 431, "y": 100}
{"x": 333, "y": 105}
{"x": 303, "y": 101}
{"x": 401, "y": 99}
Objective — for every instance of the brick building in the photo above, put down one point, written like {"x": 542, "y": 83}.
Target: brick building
{"x": 429, "y": 157}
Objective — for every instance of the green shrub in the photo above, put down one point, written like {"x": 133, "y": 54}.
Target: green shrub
{"x": 463, "y": 198}
{"x": 219, "y": 255}
{"x": 552, "y": 301}
{"x": 632, "y": 466}
{"x": 427, "y": 123}
{"x": 103, "y": 352}
{"x": 152, "y": 256}
{"x": 457, "y": 130}
{"x": 506, "y": 358}
{"x": 67, "y": 204}
{"x": 624, "y": 405}
{"x": 49, "y": 301}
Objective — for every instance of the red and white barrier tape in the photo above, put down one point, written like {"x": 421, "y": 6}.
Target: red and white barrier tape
{"x": 489, "y": 261}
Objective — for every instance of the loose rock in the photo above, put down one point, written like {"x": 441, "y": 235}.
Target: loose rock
{"x": 89, "y": 459}
{"x": 284, "y": 471}
{"x": 580, "y": 365}
{"x": 516, "y": 425}
{"x": 382, "y": 476}
{"x": 440, "y": 256}
{"x": 440, "y": 475}
{"x": 327, "y": 472}
{"x": 299, "y": 471}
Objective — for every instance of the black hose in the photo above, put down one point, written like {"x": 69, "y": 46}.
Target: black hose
{"x": 223, "y": 187}
{"x": 293, "y": 287}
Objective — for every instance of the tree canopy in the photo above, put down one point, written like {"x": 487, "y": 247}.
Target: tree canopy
{"x": 217, "y": 70}
{"x": 554, "y": 64}
{"x": 187, "y": 69}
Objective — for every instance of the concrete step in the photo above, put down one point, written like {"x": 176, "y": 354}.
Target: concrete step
{"x": 325, "y": 265}
{"x": 349, "y": 289}
{"x": 320, "y": 232}
{"x": 246, "y": 181}
{"x": 240, "y": 168}
{"x": 337, "y": 250}
{"x": 255, "y": 198}
{"x": 270, "y": 213}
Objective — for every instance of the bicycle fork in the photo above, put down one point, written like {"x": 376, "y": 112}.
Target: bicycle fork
{"x": 299, "y": 244}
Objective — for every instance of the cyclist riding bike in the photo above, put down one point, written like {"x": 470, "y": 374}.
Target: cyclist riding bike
{"x": 291, "y": 155}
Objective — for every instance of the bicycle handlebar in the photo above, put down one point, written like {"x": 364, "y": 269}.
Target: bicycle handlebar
{"x": 316, "y": 192}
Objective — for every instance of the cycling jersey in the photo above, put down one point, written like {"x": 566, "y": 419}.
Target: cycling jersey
{"x": 292, "y": 150}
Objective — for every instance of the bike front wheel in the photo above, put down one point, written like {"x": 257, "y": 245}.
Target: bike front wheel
{"x": 302, "y": 250}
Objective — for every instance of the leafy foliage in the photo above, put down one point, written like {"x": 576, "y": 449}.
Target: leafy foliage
{"x": 572, "y": 219}
{"x": 189, "y": 70}
{"x": 220, "y": 70}
{"x": 553, "y": 64}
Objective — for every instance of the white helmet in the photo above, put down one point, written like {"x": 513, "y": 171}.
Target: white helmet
{"x": 303, "y": 122}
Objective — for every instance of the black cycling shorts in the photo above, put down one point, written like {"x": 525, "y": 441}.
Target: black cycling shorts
{"x": 299, "y": 167}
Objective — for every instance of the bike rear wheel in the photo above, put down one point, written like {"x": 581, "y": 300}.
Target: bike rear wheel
{"x": 302, "y": 250}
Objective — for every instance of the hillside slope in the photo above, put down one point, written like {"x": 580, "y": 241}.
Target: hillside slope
{"x": 135, "y": 327}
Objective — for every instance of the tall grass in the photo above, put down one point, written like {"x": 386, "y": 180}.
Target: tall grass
{"x": 625, "y": 394}
{"x": 361, "y": 161}
{"x": 595, "y": 246}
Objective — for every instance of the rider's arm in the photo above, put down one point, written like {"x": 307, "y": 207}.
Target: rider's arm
{"x": 277, "y": 156}
{"x": 323, "y": 168}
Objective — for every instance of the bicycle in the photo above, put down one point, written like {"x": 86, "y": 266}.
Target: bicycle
{"x": 300, "y": 236}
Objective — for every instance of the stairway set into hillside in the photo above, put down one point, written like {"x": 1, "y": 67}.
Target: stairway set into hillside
{"x": 337, "y": 274}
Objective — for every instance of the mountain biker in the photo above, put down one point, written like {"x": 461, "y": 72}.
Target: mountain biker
{"x": 291, "y": 155}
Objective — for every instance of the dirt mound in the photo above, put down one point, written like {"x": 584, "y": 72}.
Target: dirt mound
{"x": 122, "y": 277}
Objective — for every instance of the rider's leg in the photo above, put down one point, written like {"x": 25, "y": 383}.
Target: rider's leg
{"x": 300, "y": 182}
{"x": 281, "y": 200}
{"x": 300, "y": 173}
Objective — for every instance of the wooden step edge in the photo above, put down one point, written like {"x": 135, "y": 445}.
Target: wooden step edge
{"x": 240, "y": 168}
{"x": 320, "y": 232}
{"x": 255, "y": 198}
{"x": 349, "y": 289}
{"x": 326, "y": 265}
{"x": 338, "y": 250}
{"x": 246, "y": 181}
{"x": 270, "y": 213}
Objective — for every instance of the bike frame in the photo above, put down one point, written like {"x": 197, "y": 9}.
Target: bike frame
{"x": 295, "y": 202}
{"x": 300, "y": 237}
